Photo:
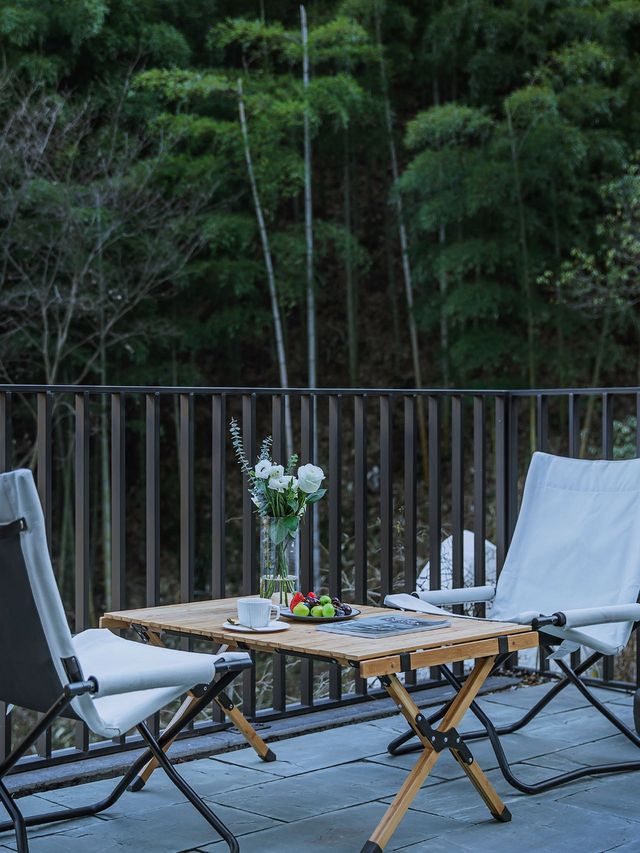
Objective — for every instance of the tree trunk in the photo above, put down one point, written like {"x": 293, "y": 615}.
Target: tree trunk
{"x": 352, "y": 325}
{"x": 268, "y": 262}
{"x": 444, "y": 322}
{"x": 404, "y": 246}
{"x": 595, "y": 381}
{"x": 308, "y": 211}
{"x": 526, "y": 281}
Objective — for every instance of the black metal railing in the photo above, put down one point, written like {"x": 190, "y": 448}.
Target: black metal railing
{"x": 145, "y": 505}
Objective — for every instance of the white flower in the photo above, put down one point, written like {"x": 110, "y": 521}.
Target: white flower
{"x": 276, "y": 471}
{"x": 291, "y": 481}
{"x": 310, "y": 477}
{"x": 263, "y": 469}
{"x": 278, "y": 484}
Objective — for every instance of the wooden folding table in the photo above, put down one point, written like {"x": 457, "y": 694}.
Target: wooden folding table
{"x": 384, "y": 658}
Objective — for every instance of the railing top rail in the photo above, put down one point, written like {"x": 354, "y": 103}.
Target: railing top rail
{"x": 297, "y": 392}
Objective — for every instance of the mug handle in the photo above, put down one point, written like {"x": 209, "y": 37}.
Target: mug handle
{"x": 275, "y": 607}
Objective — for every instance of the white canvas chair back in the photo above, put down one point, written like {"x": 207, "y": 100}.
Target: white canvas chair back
{"x": 576, "y": 544}
{"x": 35, "y": 640}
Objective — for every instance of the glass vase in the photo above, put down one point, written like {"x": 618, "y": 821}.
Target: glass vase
{"x": 279, "y": 564}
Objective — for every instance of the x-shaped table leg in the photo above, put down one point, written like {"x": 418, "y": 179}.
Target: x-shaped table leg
{"x": 443, "y": 737}
{"x": 234, "y": 714}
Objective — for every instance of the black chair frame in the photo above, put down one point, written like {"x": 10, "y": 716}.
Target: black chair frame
{"x": 400, "y": 745}
{"x": 19, "y": 822}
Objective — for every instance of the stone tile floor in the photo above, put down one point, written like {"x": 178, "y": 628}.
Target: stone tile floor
{"x": 328, "y": 790}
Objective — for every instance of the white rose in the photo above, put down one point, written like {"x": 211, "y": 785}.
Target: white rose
{"x": 263, "y": 469}
{"x": 310, "y": 477}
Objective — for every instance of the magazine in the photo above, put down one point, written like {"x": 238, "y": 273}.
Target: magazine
{"x": 388, "y": 625}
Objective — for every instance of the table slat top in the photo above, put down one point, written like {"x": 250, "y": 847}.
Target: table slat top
{"x": 205, "y": 619}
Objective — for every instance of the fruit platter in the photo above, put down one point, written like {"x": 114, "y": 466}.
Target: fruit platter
{"x": 317, "y": 608}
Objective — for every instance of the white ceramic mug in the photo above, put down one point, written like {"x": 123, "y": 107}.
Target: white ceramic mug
{"x": 257, "y": 612}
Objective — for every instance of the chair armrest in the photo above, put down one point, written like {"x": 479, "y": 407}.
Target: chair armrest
{"x": 194, "y": 669}
{"x": 582, "y": 617}
{"x": 464, "y": 595}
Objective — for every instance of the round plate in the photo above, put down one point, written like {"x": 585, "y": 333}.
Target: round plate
{"x": 319, "y": 619}
{"x": 274, "y": 625}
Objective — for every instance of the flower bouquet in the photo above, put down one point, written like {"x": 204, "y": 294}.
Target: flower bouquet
{"x": 281, "y": 498}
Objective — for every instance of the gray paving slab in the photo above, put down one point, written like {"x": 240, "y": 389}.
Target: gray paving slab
{"x": 458, "y": 799}
{"x": 319, "y": 792}
{"x": 543, "y": 824}
{"x": 329, "y": 789}
{"x": 315, "y": 751}
{"x": 604, "y": 751}
{"x": 619, "y": 795}
{"x": 343, "y": 831}
{"x": 36, "y": 804}
{"x": 569, "y": 697}
{"x": 203, "y": 776}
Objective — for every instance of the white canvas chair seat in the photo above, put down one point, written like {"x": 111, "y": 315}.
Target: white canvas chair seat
{"x": 572, "y": 571}
{"x": 136, "y": 680}
{"x": 110, "y": 683}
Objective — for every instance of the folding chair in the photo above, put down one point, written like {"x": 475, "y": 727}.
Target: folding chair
{"x": 96, "y": 677}
{"x": 573, "y": 573}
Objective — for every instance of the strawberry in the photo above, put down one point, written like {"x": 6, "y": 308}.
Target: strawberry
{"x": 297, "y": 598}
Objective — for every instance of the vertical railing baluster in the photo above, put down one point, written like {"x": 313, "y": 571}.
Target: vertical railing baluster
{"x": 361, "y": 558}
{"x": 574, "y": 425}
{"x": 249, "y": 568}
{"x": 360, "y": 498}
{"x": 218, "y": 495}
{"x": 249, "y": 580}
{"x": 44, "y": 455}
{"x": 512, "y": 488}
{"x": 82, "y": 534}
{"x": 435, "y": 493}
{"x": 479, "y": 496}
{"x": 574, "y": 451}
{"x": 637, "y": 679}
{"x": 457, "y": 503}
{"x": 542, "y": 422}
{"x": 152, "y": 498}
{"x": 44, "y": 458}
{"x": 187, "y": 498}
{"x": 6, "y": 432}
{"x": 307, "y": 421}
{"x": 607, "y": 452}
{"x": 118, "y": 503}
{"x": 6, "y": 459}
{"x": 502, "y": 480}
{"x": 335, "y": 522}
{"x": 152, "y": 508}
{"x": 218, "y": 507}
{"x": 457, "y": 491}
{"x": 410, "y": 505}
{"x": 435, "y": 500}
{"x": 410, "y": 495}
{"x": 386, "y": 496}
{"x": 607, "y": 425}
{"x": 279, "y": 453}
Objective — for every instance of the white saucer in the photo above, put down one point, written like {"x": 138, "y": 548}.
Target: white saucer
{"x": 274, "y": 625}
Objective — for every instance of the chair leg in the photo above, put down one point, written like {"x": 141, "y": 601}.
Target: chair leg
{"x": 562, "y": 779}
{"x": 19, "y": 823}
{"x": 187, "y": 790}
{"x": 17, "y": 820}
